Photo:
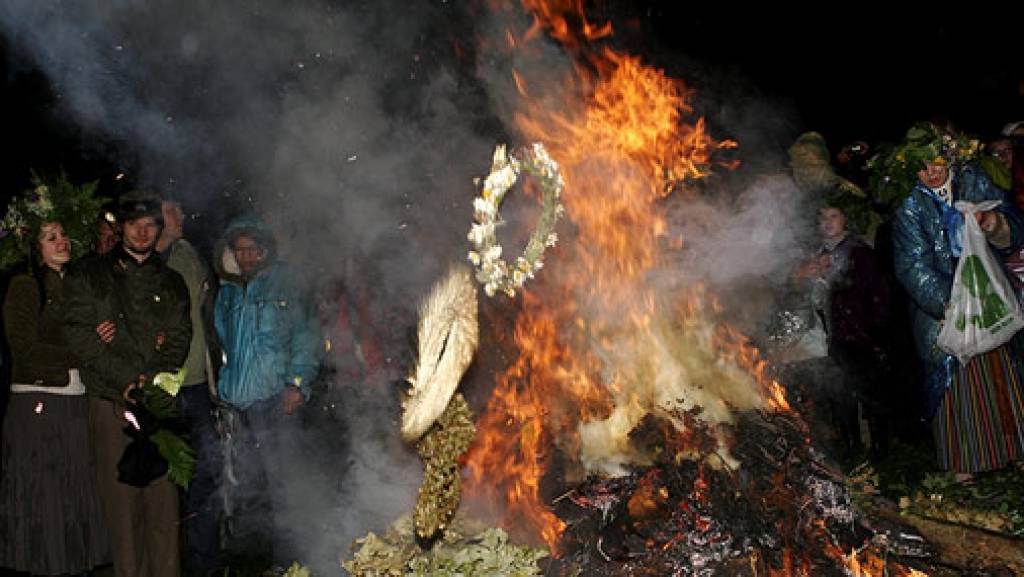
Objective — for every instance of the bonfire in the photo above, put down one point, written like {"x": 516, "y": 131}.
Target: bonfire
{"x": 634, "y": 432}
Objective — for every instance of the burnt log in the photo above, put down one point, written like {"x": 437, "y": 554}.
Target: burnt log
{"x": 967, "y": 549}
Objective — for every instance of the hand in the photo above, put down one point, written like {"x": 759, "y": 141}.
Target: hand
{"x": 988, "y": 220}
{"x": 291, "y": 398}
{"x": 106, "y": 330}
{"x": 810, "y": 269}
{"x": 126, "y": 393}
{"x": 161, "y": 337}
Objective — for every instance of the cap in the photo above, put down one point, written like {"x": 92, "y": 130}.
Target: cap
{"x": 138, "y": 204}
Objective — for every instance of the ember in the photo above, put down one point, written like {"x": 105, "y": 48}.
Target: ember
{"x": 598, "y": 348}
{"x": 682, "y": 454}
{"x": 685, "y": 518}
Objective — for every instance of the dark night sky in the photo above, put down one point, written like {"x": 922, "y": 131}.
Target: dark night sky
{"x": 38, "y": 136}
{"x": 853, "y": 74}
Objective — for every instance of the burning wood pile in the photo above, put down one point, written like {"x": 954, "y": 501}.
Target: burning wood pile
{"x": 632, "y": 432}
{"x": 683, "y": 493}
{"x": 786, "y": 512}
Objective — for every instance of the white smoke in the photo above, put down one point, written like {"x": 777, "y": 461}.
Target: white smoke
{"x": 356, "y": 129}
{"x": 349, "y": 126}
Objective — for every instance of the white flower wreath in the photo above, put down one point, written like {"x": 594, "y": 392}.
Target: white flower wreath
{"x": 491, "y": 271}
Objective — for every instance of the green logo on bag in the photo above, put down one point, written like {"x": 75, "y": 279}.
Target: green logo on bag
{"x": 975, "y": 279}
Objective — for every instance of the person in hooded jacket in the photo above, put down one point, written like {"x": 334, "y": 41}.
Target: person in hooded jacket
{"x": 271, "y": 354}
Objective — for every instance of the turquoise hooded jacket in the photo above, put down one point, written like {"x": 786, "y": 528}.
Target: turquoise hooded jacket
{"x": 266, "y": 329}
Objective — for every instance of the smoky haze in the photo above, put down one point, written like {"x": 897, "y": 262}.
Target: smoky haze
{"x": 348, "y": 126}
{"x": 355, "y": 129}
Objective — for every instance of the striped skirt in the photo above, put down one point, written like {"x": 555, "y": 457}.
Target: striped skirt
{"x": 980, "y": 423}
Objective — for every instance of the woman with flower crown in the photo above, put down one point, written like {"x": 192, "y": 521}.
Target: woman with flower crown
{"x": 977, "y": 409}
{"x": 50, "y": 516}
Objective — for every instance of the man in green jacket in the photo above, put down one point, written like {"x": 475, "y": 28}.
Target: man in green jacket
{"x": 126, "y": 320}
{"x": 195, "y": 403}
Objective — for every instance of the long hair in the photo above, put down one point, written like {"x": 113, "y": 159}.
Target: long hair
{"x": 37, "y": 269}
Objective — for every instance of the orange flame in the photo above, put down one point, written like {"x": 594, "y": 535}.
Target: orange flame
{"x": 737, "y": 348}
{"x": 868, "y": 563}
{"x": 514, "y": 435}
{"x": 598, "y": 347}
{"x": 557, "y": 17}
{"x": 520, "y": 84}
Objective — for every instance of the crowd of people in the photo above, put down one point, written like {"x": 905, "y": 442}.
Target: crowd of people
{"x": 890, "y": 245}
{"x": 89, "y": 339}
{"x": 104, "y": 310}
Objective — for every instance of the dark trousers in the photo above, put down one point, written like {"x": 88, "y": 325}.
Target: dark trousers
{"x": 862, "y": 374}
{"x": 202, "y": 534}
{"x": 274, "y": 444}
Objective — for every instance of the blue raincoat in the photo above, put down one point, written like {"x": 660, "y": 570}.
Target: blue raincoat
{"x": 265, "y": 327}
{"x": 926, "y": 245}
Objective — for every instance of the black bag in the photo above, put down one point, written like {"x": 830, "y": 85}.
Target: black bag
{"x": 141, "y": 462}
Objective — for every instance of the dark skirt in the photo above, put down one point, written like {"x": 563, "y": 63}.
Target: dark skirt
{"x": 980, "y": 423}
{"x": 51, "y": 521}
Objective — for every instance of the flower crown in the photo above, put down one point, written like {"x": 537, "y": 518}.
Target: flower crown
{"x": 893, "y": 171}
{"x": 74, "y": 207}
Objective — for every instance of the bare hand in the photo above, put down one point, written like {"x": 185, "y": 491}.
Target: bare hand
{"x": 126, "y": 393}
{"x": 291, "y": 398}
{"x": 987, "y": 220}
{"x": 106, "y": 330}
{"x": 810, "y": 269}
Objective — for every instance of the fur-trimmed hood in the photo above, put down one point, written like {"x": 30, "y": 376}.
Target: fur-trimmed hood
{"x": 224, "y": 258}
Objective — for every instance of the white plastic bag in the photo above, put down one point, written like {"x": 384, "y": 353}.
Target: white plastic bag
{"x": 983, "y": 311}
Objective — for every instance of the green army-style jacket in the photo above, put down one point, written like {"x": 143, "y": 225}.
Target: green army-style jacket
{"x": 148, "y": 303}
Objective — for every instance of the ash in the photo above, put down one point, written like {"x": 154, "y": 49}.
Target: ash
{"x": 786, "y": 507}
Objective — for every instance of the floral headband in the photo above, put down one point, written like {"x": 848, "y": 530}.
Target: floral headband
{"x": 74, "y": 207}
{"x": 893, "y": 171}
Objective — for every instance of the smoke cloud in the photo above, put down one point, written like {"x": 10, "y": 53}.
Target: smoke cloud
{"x": 351, "y": 127}
{"x": 745, "y": 246}
{"x": 355, "y": 129}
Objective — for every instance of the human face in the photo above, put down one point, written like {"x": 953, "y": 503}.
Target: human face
{"x": 933, "y": 175}
{"x": 54, "y": 245}
{"x": 831, "y": 223}
{"x": 1002, "y": 150}
{"x": 248, "y": 254}
{"x": 140, "y": 235}
{"x": 106, "y": 237}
